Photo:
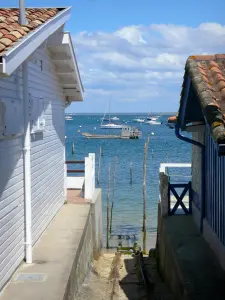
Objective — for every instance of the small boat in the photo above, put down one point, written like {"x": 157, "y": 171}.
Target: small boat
{"x": 139, "y": 120}
{"x": 111, "y": 126}
{"x": 115, "y": 119}
{"x": 69, "y": 118}
{"x": 153, "y": 122}
{"x": 151, "y": 118}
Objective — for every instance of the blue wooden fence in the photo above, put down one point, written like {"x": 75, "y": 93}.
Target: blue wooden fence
{"x": 172, "y": 191}
{"x": 214, "y": 187}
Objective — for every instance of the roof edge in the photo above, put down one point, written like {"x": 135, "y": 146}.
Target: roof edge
{"x": 13, "y": 58}
{"x": 210, "y": 108}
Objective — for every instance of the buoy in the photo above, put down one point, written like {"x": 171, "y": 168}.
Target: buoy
{"x": 94, "y": 128}
{"x": 78, "y": 130}
{"x": 65, "y": 136}
{"x": 152, "y": 133}
{"x": 80, "y": 126}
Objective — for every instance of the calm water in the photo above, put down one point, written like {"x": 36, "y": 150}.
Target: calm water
{"x": 128, "y": 205}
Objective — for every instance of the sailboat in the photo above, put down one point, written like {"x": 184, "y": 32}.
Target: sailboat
{"x": 110, "y": 125}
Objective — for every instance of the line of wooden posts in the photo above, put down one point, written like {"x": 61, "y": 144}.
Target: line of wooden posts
{"x": 109, "y": 211}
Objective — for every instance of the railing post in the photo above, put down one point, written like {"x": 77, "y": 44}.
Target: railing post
{"x": 92, "y": 157}
{"x": 164, "y": 186}
{"x": 190, "y": 197}
{"x": 89, "y": 176}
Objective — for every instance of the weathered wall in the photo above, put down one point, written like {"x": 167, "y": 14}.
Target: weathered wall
{"x": 89, "y": 247}
{"x": 196, "y": 167}
{"x": 166, "y": 262}
{"x": 96, "y": 213}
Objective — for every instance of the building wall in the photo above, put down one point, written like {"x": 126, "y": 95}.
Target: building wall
{"x": 47, "y": 159}
{"x": 47, "y": 151}
{"x": 11, "y": 206}
{"x": 196, "y": 167}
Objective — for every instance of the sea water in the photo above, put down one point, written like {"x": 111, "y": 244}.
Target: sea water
{"x": 128, "y": 198}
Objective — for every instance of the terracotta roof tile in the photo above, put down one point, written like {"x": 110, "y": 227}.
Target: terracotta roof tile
{"x": 2, "y": 47}
{"x": 4, "y": 31}
{"x": 16, "y": 34}
{"x": 5, "y": 41}
{"x": 207, "y": 73}
{"x": 11, "y": 37}
{"x": 11, "y": 31}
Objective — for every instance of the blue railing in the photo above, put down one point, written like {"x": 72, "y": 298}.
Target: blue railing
{"x": 215, "y": 187}
{"x": 186, "y": 192}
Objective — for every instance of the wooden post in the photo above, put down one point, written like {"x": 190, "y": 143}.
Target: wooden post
{"x": 73, "y": 148}
{"x": 144, "y": 194}
{"x": 99, "y": 165}
{"x": 107, "y": 216}
{"x": 114, "y": 182}
{"x": 131, "y": 177}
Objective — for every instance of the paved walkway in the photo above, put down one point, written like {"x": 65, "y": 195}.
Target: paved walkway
{"x": 53, "y": 256}
{"x": 76, "y": 197}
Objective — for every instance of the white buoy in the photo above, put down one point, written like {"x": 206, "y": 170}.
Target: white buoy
{"x": 65, "y": 137}
{"x": 80, "y": 126}
{"x": 94, "y": 128}
{"x": 152, "y": 133}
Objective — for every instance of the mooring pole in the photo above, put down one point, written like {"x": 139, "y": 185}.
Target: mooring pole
{"x": 144, "y": 193}
{"x": 114, "y": 182}
{"x": 107, "y": 214}
{"x": 131, "y": 177}
{"x": 99, "y": 165}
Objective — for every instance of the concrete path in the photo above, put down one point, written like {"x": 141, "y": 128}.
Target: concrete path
{"x": 53, "y": 255}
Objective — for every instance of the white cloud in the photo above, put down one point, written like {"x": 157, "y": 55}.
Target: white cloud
{"x": 142, "y": 63}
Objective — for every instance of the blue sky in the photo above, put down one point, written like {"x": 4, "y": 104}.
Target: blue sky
{"x": 134, "y": 51}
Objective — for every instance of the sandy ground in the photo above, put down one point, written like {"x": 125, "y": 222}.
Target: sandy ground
{"x": 111, "y": 279}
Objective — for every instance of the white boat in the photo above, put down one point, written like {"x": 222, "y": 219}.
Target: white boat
{"x": 151, "y": 122}
{"x": 139, "y": 120}
{"x": 111, "y": 126}
{"x": 115, "y": 119}
{"x": 68, "y": 118}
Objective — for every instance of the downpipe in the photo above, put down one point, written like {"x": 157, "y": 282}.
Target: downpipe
{"x": 27, "y": 166}
{"x": 190, "y": 141}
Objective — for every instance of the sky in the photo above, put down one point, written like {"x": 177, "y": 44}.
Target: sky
{"x": 134, "y": 52}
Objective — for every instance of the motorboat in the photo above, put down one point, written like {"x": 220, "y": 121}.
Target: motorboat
{"x": 69, "y": 118}
{"x": 152, "y": 122}
{"x": 115, "y": 119}
{"x": 138, "y": 120}
{"x": 111, "y": 126}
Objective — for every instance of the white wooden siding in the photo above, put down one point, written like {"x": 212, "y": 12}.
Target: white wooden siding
{"x": 47, "y": 163}
{"x": 11, "y": 207}
{"x": 47, "y": 150}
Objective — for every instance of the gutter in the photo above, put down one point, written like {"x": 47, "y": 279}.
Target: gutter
{"x": 202, "y": 147}
{"x": 27, "y": 166}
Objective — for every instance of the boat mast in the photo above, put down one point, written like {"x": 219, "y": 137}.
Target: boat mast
{"x": 109, "y": 108}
